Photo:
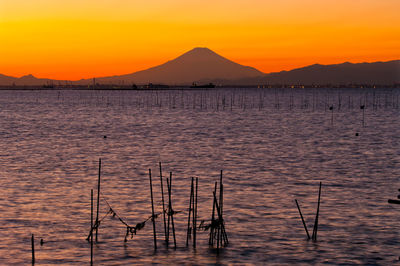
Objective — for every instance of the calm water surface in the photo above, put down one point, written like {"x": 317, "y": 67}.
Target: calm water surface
{"x": 273, "y": 146}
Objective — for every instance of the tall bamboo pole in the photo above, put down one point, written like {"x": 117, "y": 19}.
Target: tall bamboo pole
{"x": 302, "y": 219}
{"x": 163, "y": 205}
{"x": 195, "y": 215}
{"x": 315, "y": 230}
{"x": 188, "y": 232}
{"x": 91, "y": 227}
{"x": 152, "y": 212}
{"x": 98, "y": 199}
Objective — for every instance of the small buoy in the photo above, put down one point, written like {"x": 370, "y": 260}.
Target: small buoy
{"x": 41, "y": 242}
{"x": 105, "y": 136}
{"x": 356, "y": 134}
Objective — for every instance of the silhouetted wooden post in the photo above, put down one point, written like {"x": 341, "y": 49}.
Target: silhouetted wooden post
{"x": 163, "y": 205}
{"x": 221, "y": 194}
{"x": 170, "y": 209}
{"x": 314, "y": 235}
{"x": 302, "y": 219}
{"x": 98, "y": 200}
{"x": 91, "y": 227}
{"x": 188, "y": 232}
{"x": 221, "y": 202}
{"x": 152, "y": 211}
{"x": 211, "y": 239}
{"x": 33, "y": 249}
{"x": 195, "y": 215}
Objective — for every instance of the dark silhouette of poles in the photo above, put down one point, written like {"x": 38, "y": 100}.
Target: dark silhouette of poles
{"x": 91, "y": 226}
{"x": 220, "y": 225}
{"x": 315, "y": 230}
{"x": 331, "y": 108}
{"x": 195, "y": 214}
{"x": 302, "y": 219}
{"x": 98, "y": 199}
{"x": 211, "y": 239}
{"x": 163, "y": 205}
{"x": 33, "y": 249}
{"x": 152, "y": 211}
{"x": 170, "y": 209}
{"x": 221, "y": 203}
{"x": 217, "y": 227}
{"x": 188, "y": 231}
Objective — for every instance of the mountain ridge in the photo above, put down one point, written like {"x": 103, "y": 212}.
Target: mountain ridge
{"x": 202, "y": 65}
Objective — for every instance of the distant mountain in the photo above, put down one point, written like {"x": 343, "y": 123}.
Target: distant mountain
{"x": 201, "y": 65}
{"x": 194, "y": 66}
{"x": 7, "y": 80}
{"x": 383, "y": 73}
{"x": 27, "y": 80}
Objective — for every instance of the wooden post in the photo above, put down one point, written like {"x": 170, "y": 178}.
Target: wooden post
{"x": 315, "y": 230}
{"x": 195, "y": 215}
{"x": 221, "y": 204}
{"x": 152, "y": 211}
{"x": 98, "y": 200}
{"x": 33, "y": 249}
{"x": 163, "y": 205}
{"x": 211, "y": 239}
{"x": 221, "y": 194}
{"x": 169, "y": 217}
{"x": 91, "y": 227}
{"x": 188, "y": 232}
{"x": 170, "y": 210}
{"x": 302, "y": 219}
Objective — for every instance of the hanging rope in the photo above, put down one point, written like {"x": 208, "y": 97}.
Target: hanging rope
{"x": 130, "y": 230}
{"x": 97, "y": 224}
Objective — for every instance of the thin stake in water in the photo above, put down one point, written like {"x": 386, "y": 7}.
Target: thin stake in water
{"x": 163, "y": 205}
{"x": 170, "y": 209}
{"x": 195, "y": 214}
{"x": 315, "y": 230}
{"x": 91, "y": 226}
{"x": 152, "y": 212}
{"x": 302, "y": 219}
{"x": 33, "y": 249}
{"x": 211, "y": 239}
{"x": 188, "y": 231}
{"x": 98, "y": 200}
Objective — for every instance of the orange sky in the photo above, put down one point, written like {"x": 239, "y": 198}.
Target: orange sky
{"x": 73, "y": 39}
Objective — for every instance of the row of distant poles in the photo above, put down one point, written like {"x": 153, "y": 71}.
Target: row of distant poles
{"x": 218, "y": 237}
{"x": 241, "y": 99}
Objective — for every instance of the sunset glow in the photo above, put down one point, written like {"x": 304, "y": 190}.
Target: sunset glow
{"x": 82, "y": 39}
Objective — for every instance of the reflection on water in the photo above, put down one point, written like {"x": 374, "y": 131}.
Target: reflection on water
{"x": 273, "y": 145}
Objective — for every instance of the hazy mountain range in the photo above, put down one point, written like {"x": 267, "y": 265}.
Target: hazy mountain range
{"x": 201, "y": 65}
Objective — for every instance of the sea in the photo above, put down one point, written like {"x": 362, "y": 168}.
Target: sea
{"x": 273, "y": 146}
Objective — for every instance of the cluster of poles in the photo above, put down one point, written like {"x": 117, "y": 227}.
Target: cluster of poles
{"x": 218, "y": 237}
{"x": 315, "y": 228}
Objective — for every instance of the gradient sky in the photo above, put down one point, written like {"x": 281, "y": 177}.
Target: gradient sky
{"x": 72, "y": 39}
